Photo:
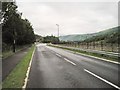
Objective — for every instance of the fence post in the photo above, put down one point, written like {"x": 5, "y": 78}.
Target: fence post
{"x": 87, "y": 45}
{"x": 93, "y": 44}
{"x": 112, "y": 47}
{"x": 101, "y": 45}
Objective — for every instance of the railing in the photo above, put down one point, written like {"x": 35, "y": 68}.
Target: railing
{"x": 100, "y": 46}
{"x": 115, "y": 54}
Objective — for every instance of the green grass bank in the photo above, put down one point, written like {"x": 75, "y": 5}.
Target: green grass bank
{"x": 16, "y": 78}
{"x": 112, "y": 58}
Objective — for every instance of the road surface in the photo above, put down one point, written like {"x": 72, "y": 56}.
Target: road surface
{"x": 93, "y": 51}
{"x": 58, "y": 68}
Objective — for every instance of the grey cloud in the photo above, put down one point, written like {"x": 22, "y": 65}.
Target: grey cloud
{"x": 73, "y": 18}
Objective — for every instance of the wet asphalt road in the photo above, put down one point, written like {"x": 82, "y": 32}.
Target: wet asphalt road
{"x": 58, "y": 68}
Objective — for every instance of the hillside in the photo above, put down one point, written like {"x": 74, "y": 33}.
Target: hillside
{"x": 78, "y": 37}
{"x": 109, "y": 34}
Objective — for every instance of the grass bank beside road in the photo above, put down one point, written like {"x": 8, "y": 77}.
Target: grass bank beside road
{"x": 111, "y": 58}
{"x": 9, "y": 52}
{"x": 16, "y": 78}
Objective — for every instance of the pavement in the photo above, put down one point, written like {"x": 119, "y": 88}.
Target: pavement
{"x": 57, "y": 68}
{"x": 9, "y": 63}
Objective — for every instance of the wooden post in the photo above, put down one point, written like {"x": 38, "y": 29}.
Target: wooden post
{"x": 101, "y": 45}
{"x": 93, "y": 44}
{"x": 87, "y": 45}
{"x": 112, "y": 47}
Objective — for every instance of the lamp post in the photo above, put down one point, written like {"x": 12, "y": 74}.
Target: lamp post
{"x": 58, "y": 29}
{"x": 14, "y": 41}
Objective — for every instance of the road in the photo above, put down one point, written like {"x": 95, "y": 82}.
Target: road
{"x": 58, "y": 68}
{"x": 93, "y": 51}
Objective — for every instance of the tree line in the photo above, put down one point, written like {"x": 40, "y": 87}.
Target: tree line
{"x": 47, "y": 39}
{"x": 15, "y": 29}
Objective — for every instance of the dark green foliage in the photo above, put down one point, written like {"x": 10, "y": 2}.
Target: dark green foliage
{"x": 14, "y": 27}
{"x": 51, "y": 39}
{"x": 38, "y": 38}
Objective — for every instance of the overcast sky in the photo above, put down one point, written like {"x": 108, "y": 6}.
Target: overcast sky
{"x": 73, "y": 17}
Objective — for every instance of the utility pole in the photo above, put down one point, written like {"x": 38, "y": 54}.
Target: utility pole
{"x": 14, "y": 41}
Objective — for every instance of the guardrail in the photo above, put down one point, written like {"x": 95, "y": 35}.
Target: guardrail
{"x": 93, "y": 51}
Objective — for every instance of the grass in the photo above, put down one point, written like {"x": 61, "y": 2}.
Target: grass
{"x": 9, "y": 52}
{"x": 112, "y": 58}
{"x": 16, "y": 78}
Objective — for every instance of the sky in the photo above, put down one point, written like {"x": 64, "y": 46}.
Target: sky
{"x": 73, "y": 17}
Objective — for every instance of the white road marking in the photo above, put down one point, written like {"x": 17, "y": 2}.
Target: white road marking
{"x": 102, "y": 79}
{"x": 69, "y": 61}
{"x": 28, "y": 71}
{"x": 106, "y": 60}
{"x": 58, "y": 55}
{"x": 115, "y": 62}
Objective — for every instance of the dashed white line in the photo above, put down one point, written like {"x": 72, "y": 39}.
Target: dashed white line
{"x": 66, "y": 59}
{"x": 58, "y": 55}
{"x": 69, "y": 61}
{"x": 102, "y": 79}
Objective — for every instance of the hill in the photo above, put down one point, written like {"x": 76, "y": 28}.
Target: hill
{"x": 78, "y": 37}
{"x": 108, "y": 35}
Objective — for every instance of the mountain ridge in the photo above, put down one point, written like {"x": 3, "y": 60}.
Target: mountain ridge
{"x": 82, "y": 37}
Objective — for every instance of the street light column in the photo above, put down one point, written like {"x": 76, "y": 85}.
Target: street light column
{"x": 58, "y": 30}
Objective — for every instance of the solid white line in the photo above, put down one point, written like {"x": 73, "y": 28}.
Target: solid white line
{"x": 58, "y": 55}
{"x": 69, "y": 61}
{"x": 104, "y": 59}
{"x": 107, "y": 60}
{"x": 28, "y": 71}
{"x": 102, "y": 79}
{"x": 115, "y": 62}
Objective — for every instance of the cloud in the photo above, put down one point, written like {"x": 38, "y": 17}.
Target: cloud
{"x": 73, "y": 18}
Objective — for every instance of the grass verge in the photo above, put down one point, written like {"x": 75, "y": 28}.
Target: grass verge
{"x": 16, "y": 78}
{"x": 8, "y": 53}
{"x": 112, "y": 58}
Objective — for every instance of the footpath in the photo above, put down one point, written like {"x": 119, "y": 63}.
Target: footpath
{"x": 9, "y": 63}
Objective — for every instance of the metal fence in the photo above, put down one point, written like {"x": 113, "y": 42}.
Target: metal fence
{"x": 101, "y": 46}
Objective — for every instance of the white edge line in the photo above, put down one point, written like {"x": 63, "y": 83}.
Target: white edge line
{"x": 58, "y": 55}
{"x": 102, "y": 79}
{"x": 95, "y": 57}
{"x": 69, "y": 61}
{"x": 28, "y": 71}
{"x": 98, "y": 58}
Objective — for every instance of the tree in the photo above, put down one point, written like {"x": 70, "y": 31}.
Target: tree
{"x": 15, "y": 28}
{"x": 51, "y": 39}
